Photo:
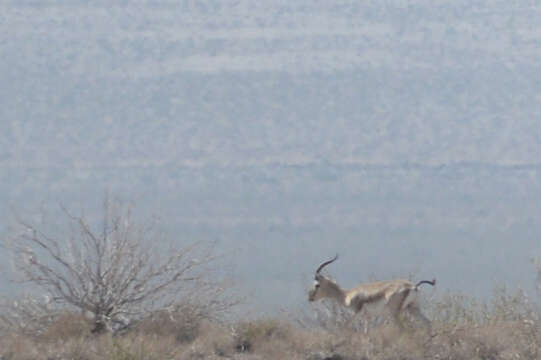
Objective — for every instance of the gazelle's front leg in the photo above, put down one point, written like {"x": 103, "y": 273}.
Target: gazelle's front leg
{"x": 357, "y": 307}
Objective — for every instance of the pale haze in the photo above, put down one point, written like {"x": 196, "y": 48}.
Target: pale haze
{"x": 403, "y": 135}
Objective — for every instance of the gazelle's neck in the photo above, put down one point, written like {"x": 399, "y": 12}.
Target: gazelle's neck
{"x": 336, "y": 292}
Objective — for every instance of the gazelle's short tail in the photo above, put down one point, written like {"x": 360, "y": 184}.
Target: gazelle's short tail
{"x": 433, "y": 283}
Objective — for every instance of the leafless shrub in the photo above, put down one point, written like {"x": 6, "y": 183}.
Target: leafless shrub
{"x": 458, "y": 310}
{"x": 514, "y": 306}
{"x": 113, "y": 272}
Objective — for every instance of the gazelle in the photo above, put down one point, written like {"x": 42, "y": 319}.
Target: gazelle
{"x": 395, "y": 296}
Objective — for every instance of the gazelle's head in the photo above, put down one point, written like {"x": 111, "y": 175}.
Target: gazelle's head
{"x": 322, "y": 287}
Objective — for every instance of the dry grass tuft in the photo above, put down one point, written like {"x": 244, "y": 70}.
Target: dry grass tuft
{"x": 251, "y": 334}
{"x": 67, "y": 326}
{"x": 183, "y": 324}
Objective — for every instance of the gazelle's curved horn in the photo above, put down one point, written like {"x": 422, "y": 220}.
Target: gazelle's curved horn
{"x": 325, "y": 264}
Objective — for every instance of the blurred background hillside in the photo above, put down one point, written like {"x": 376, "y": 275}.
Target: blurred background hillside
{"x": 404, "y": 135}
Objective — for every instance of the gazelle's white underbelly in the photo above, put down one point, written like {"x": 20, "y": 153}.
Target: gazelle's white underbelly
{"x": 377, "y": 307}
{"x": 383, "y": 305}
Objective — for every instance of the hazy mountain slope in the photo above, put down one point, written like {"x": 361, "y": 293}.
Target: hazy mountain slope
{"x": 287, "y": 130}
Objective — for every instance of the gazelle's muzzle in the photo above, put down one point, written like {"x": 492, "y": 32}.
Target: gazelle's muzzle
{"x": 311, "y": 295}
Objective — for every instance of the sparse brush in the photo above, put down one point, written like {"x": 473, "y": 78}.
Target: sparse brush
{"x": 27, "y": 315}
{"x": 141, "y": 348}
{"x": 249, "y": 333}
{"x": 506, "y": 327}
{"x": 67, "y": 325}
{"x": 181, "y": 322}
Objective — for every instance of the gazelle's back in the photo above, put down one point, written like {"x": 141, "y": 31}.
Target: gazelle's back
{"x": 383, "y": 286}
{"x": 377, "y": 294}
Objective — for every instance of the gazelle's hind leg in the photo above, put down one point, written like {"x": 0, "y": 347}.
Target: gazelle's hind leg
{"x": 395, "y": 304}
{"x": 414, "y": 310}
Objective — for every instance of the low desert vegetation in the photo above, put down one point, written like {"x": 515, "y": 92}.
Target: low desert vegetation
{"x": 105, "y": 295}
{"x": 508, "y": 326}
